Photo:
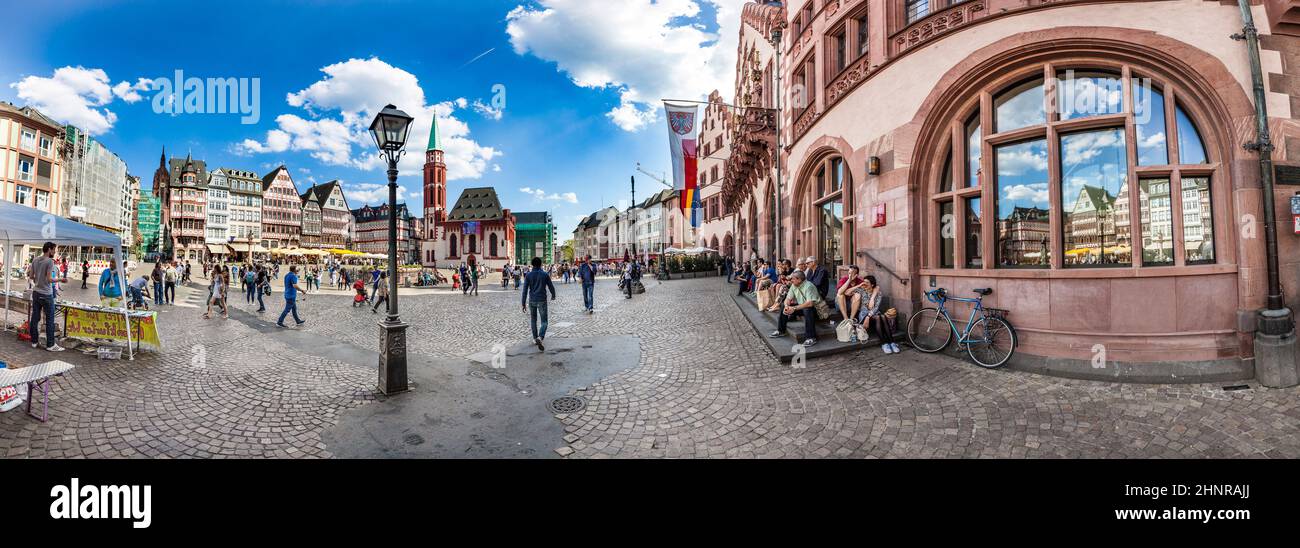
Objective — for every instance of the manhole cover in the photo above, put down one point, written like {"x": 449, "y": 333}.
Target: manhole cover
{"x": 566, "y": 404}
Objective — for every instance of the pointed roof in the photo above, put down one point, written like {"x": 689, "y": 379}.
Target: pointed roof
{"x": 477, "y": 204}
{"x": 270, "y": 177}
{"x": 433, "y": 136}
{"x": 321, "y": 193}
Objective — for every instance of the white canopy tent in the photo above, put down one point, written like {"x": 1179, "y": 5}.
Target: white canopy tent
{"x": 21, "y": 225}
{"x": 689, "y": 250}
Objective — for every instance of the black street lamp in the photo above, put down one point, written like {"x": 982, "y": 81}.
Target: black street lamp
{"x": 389, "y": 130}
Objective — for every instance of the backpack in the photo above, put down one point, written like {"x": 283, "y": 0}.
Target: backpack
{"x": 250, "y": 277}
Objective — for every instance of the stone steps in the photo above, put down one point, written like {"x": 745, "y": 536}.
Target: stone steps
{"x": 765, "y": 323}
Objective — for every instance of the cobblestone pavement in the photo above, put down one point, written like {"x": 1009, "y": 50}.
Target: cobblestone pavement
{"x": 705, "y": 386}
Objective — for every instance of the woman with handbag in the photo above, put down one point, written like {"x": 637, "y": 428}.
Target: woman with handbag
{"x": 878, "y": 318}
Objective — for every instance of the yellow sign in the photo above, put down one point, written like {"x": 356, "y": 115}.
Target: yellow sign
{"x": 89, "y": 325}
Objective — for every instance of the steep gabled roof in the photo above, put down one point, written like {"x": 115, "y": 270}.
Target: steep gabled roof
{"x": 270, "y": 177}
{"x": 477, "y": 204}
{"x": 321, "y": 193}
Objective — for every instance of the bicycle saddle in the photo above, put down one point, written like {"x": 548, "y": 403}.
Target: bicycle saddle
{"x": 984, "y": 290}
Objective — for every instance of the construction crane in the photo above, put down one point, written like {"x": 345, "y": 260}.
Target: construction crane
{"x": 662, "y": 178}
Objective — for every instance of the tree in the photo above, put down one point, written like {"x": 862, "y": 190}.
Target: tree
{"x": 566, "y": 251}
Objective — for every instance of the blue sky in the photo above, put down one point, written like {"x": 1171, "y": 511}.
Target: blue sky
{"x": 582, "y": 81}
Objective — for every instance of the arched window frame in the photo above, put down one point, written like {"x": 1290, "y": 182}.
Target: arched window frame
{"x": 985, "y": 189}
{"x": 812, "y": 194}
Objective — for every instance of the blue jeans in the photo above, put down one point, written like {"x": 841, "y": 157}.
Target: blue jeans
{"x": 249, "y": 294}
{"x": 42, "y": 304}
{"x": 158, "y": 293}
{"x": 137, "y": 296}
{"x": 260, "y": 305}
{"x": 589, "y": 295}
{"x": 535, "y": 307}
{"x": 290, "y": 305}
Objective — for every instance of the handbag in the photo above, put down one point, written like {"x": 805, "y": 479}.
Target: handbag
{"x": 823, "y": 309}
{"x": 764, "y": 300}
{"x": 844, "y": 330}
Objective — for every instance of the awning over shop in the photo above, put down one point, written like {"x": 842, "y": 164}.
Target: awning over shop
{"x": 259, "y": 249}
{"x": 219, "y": 249}
{"x": 238, "y": 247}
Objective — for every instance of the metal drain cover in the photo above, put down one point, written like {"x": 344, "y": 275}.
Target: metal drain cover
{"x": 564, "y": 405}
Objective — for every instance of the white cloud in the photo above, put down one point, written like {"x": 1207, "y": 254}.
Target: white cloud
{"x": 1035, "y": 192}
{"x": 339, "y": 109}
{"x": 647, "y": 50}
{"x": 487, "y": 110}
{"x": 359, "y": 194}
{"x": 71, "y": 95}
{"x": 539, "y": 194}
{"x": 131, "y": 92}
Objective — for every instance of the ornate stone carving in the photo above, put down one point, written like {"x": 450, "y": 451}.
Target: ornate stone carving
{"x": 831, "y": 8}
{"x": 936, "y": 24}
{"x": 849, "y": 79}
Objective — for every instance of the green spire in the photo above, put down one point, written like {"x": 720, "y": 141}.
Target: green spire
{"x": 433, "y": 135}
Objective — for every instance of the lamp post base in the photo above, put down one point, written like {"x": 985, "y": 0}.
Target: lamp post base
{"x": 392, "y": 358}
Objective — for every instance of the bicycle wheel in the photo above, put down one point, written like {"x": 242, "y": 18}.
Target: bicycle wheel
{"x": 928, "y": 330}
{"x": 991, "y": 342}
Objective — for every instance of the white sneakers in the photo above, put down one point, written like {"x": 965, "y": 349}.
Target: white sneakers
{"x": 890, "y": 348}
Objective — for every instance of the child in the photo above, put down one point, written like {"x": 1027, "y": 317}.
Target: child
{"x": 360, "y": 297}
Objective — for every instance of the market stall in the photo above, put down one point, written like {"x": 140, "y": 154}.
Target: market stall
{"x": 26, "y": 226}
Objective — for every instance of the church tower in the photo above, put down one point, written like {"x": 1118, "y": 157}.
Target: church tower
{"x": 435, "y": 200}
{"x": 435, "y": 183}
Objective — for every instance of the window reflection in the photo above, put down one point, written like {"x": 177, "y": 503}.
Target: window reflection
{"x": 832, "y": 221}
{"x": 1022, "y": 204}
{"x": 1149, "y": 120}
{"x": 1088, "y": 93}
{"x": 945, "y": 180}
{"x": 1094, "y": 196}
{"x": 973, "y": 150}
{"x": 1198, "y": 225}
{"x": 837, "y": 175}
{"x": 947, "y": 235}
{"x": 974, "y": 253}
{"x": 1190, "y": 148}
{"x": 1157, "y": 222}
{"x": 1020, "y": 106}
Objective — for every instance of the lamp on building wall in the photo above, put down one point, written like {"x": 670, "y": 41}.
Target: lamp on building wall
{"x": 389, "y": 130}
{"x": 873, "y": 165}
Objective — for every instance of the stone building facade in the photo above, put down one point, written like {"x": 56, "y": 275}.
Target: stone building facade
{"x": 1082, "y": 158}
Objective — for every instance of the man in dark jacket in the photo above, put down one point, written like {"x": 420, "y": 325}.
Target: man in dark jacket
{"x": 818, "y": 276}
{"x": 587, "y": 275}
{"x": 533, "y": 299}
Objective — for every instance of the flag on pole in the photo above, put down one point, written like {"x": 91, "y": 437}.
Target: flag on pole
{"x": 682, "y": 146}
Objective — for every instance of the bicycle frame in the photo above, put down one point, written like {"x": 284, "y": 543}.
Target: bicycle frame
{"x": 941, "y": 299}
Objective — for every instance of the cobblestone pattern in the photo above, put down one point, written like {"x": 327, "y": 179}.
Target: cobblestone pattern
{"x": 706, "y": 386}
{"x": 220, "y": 390}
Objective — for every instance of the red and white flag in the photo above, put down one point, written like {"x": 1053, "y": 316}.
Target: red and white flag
{"x": 682, "y": 146}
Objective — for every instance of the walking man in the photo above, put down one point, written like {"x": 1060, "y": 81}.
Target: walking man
{"x": 41, "y": 274}
{"x": 290, "y": 297}
{"x": 85, "y": 272}
{"x": 262, "y": 282}
{"x": 587, "y": 275}
{"x": 381, "y": 292}
{"x": 533, "y": 299}
{"x": 157, "y": 278}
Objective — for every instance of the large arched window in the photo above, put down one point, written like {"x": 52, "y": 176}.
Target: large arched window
{"x": 473, "y": 243}
{"x": 1064, "y": 167}
{"x": 453, "y": 240}
{"x": 492, "y": 245}
{"x": 819, "y": 212}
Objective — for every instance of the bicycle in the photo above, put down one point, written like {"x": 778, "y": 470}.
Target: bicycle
{"x": 988, "y": 338}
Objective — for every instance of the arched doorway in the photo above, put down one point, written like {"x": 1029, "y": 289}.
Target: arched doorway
{"x": 473, "y": 243}
{"x": 492, "y": 245}
{"x": 819, "y": 211}
{"x": 453, "y": 240}
{"x": 728, "y": 246}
